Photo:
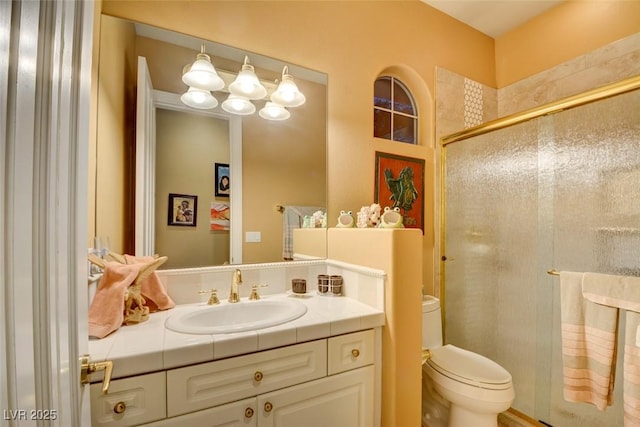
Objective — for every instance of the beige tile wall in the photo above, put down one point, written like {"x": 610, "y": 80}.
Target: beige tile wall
{"x": 611, "y": 63}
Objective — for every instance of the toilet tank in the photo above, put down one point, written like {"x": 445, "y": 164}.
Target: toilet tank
{"x": 431, "y": 322}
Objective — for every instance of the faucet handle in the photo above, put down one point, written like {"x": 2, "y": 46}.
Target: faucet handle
{"x": 213, "y": 299}
{"x": 254, "y": 292}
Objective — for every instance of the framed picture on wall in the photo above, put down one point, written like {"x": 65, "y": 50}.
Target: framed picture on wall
{"x": 222, "y": 180}
{"x": 399, "y": 182}
{"x": 183, "y": 210}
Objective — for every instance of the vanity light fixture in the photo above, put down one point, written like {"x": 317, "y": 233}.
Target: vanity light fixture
{"x": 274, "y": 111}
{"x": 240, "y": 105}
{"x": 202, "y": 79}
{"x": 287, "y": 93}
{"x": 199, "y": 98}
{"x": 247, "y": 84}
{"x": 202, "y": 74}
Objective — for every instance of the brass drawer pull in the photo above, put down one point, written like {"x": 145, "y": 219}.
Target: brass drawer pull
{"x": 120, "y": 407}
{"x": 258, "y": 376}
{"x": 355, "y": 353}
{"x": 248, "y": 413}
{"x": 268, "y": 407}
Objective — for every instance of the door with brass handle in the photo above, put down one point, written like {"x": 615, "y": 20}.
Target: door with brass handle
{"x": 87, "y": 368}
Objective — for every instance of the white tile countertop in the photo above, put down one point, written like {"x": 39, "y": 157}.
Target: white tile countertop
{"x": 149, "y": 346}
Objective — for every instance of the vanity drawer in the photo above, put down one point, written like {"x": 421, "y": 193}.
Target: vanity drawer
{"x": 209, "y": 384}
{"x": 346, "y": 352}
{"x": 130, "y": 401}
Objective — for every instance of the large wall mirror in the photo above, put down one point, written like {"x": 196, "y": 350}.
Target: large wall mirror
{"x": 153, "y": 153}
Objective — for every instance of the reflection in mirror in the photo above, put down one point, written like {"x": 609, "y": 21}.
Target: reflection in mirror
{"x": 272, "y": 164}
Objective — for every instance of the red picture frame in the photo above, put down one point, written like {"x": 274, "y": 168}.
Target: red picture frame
{"x": 399, "y": 182}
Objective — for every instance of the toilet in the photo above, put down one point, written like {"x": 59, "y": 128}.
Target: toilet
{"x": 476, "y": 389}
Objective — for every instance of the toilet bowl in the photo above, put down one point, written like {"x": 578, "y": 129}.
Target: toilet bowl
{"x": 477, "y": 388}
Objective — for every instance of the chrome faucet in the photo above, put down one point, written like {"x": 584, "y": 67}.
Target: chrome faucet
{"x": 237, "y": 280}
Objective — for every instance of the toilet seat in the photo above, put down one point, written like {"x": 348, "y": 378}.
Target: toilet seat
{"x": 469, "y": 368}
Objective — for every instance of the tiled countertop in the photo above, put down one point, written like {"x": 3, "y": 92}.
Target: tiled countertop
{"x": 150, "y": 347}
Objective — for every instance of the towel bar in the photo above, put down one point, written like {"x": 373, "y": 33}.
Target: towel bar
{"x": 553, "y": 272}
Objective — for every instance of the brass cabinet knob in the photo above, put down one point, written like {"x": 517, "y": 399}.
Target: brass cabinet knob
{"x": 258, "y": 376}
{"x": 268, "y": 407}
{"x": 248, "y": 413}
{"x": 355, "y": 353}
{"x": 120, "y": 407}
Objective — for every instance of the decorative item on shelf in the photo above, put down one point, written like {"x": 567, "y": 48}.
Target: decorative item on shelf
{"x": 345, "y": 219}
{"x": 391, "y": 218}
{"x": 299, "y": 286}
{"x": 323, "y": 283}
{"x": 202, "y": 79}
{"x": 335, "y": 284}
{"x": 369, "y": 216}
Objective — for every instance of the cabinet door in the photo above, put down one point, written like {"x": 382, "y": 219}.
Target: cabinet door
{"x": 344, "y": 400}
{"x": 236, "y": 414}
{"x": 130, "y": 401}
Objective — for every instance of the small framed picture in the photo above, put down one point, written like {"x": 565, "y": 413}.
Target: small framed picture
{"x": 223, "y": 182}
{"x": 183, "y": 210}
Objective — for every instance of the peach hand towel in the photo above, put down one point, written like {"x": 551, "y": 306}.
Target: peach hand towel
{"x": 153, "y": 290}
{"x": 588, "y": 344}
{"x": 622, "y": 292}
{"x": 106, "y": 312}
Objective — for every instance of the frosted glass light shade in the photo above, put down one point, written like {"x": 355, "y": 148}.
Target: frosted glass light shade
{"x": 247, "y": 84}
{"x": 287, "y": 94}
{"x": 273, "y": 111}
{"x": 235, "y": 104}
{"x": 198, "y": 98}
{"x": 203, "y": 75}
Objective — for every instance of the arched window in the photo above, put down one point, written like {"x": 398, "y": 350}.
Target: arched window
{"x": 394, "y": 111}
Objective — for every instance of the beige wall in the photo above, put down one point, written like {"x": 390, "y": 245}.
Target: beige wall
{"x": 187, "y": 146}
{"x": 569, "y": 30}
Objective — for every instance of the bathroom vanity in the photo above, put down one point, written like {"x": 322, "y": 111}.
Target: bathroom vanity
{"x": 321, "y": 369}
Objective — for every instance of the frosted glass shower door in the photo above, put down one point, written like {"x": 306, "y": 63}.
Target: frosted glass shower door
{"x": 560, "y": 191}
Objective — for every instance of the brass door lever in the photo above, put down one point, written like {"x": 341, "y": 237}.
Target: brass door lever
{"x": 87, "y": 368}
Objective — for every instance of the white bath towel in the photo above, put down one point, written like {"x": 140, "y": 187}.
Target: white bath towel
{"x": 292, "y": 218}
{"x": 588, "y": 345}
{"x": 622, "y": 292}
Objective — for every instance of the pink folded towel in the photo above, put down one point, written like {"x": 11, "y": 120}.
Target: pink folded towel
{"x": 152, "y": 288}
{"x": 106, "y": 313}
{"x": 588, "y": 344}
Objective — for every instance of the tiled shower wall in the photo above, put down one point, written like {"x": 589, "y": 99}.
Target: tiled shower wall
{"x": 462, "y": 103}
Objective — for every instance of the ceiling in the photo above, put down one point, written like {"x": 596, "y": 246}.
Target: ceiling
{"x": 493, "y": 17}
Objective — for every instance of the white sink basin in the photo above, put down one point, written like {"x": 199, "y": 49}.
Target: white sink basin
{"x": 238, "y": 317}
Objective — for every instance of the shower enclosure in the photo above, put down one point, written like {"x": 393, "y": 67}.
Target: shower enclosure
{"x": 555, "y": 188}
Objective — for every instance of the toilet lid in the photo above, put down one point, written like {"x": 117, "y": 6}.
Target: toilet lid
{"x": 469, "y": 368}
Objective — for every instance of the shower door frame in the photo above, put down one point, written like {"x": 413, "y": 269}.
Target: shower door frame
{"x": 597, "y": 94}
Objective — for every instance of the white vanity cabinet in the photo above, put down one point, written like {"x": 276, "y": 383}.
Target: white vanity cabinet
{"x": 326, "y": 382}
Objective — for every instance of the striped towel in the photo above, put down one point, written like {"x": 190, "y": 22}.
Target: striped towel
{"x": 622, "y": 292}
{"x": 588, "y": 345}
{"x": 292, "y": 218}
